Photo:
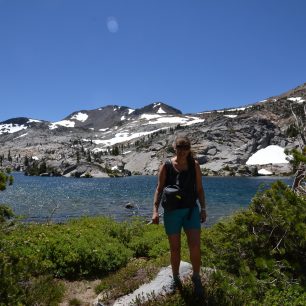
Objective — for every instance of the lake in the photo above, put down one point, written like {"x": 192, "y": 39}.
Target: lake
{"x": 60, "y": 198}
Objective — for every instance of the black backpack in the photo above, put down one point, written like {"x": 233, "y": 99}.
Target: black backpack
{"x": 173, "y": 195}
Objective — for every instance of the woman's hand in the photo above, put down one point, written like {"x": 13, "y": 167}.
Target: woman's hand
{"x": 155, "y": 217}
{"x": 203, "y": 216}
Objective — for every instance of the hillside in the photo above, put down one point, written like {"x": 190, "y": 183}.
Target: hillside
{"x": 118, "y": 140}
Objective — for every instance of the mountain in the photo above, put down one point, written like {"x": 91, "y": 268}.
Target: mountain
{"x": 113, "y": 139}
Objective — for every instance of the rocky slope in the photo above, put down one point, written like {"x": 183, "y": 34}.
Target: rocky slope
{"x": 118, "y": 140}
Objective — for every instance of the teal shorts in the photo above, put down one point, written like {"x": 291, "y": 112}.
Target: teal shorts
{"x": 177, "y": 219}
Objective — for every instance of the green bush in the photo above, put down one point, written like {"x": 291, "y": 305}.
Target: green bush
{"x": 259, "y": 254}
{"x": 293, "y": 296}
{"x": 151, "y": 243}
{"x": 260, "y": 249}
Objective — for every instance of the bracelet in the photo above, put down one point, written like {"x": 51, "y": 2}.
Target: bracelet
{"x": 203, "y": 209}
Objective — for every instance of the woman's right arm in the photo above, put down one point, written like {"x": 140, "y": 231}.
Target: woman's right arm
{"x": 158, "y": 191}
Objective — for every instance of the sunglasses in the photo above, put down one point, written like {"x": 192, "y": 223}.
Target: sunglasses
{"x": 183, "y": 147}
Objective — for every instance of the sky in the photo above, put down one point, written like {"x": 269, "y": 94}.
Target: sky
{"x": 61, "y": 56}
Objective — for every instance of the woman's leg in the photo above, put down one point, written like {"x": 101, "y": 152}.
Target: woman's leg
{"x": 193, "y": 238}
{"x": 175, "y": 252}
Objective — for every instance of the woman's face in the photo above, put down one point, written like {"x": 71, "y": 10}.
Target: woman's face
{"x": 182, "y": 149}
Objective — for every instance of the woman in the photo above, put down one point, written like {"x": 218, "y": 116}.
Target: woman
{"x": 188, "y": 172}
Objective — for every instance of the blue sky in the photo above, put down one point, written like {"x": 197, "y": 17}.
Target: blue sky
{"x": 60, "y": 56}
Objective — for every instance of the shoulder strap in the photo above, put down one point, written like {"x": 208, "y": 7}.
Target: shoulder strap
{"x": 169, "y": 166}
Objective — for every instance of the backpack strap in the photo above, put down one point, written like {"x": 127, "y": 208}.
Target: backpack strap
{"x": 169, "y": 167}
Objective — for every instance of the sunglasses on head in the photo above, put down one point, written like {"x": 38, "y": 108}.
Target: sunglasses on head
{"x": 183, "y": 147}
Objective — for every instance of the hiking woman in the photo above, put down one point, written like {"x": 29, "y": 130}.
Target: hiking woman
{"x": 185, "y": 171}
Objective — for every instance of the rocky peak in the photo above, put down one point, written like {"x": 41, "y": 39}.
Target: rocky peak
{"x": 101, "y": 118}
{"x": 158, "y": 108}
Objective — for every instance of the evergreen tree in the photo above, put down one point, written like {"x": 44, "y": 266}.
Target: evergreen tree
{"x": 9, "y": 157}
{"x": 88, "y": 158}
{"x": 78, "y": 157}
{"x": 43, "y": 167}
{"x": 115, "y": 150}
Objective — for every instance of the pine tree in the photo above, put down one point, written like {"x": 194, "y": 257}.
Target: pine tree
{"x": 78, "y": 157}
{"x": 9, "y": 157}
{"x": 88, "y": 158}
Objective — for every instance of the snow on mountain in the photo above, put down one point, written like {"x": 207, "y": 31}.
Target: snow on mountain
{"x": 230, "y": 116}
{"x": 11, "y": 128}
{"x": 33, "y": 120}
{"x": 23, "y": 135}
{"x": 121, "y": 137}
{"x": 65, "y": 123}
{"x": 264, "y": 172}
{"x": 80, "y": 116}
{"x": 16, "y": 124}
{"x": 270, "y": 155}
{"x": 297, "y": 99}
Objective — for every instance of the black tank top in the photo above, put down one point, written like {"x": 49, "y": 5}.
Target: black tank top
{"x": 186, "y": 180}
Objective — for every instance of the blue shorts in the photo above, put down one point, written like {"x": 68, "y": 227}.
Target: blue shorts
{"x": 177, "y": 219}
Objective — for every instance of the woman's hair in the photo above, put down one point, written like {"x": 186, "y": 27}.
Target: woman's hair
{"x": 181, "y": 140}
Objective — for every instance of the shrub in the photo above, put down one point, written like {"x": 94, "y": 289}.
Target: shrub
{"x": 262, "y": 248}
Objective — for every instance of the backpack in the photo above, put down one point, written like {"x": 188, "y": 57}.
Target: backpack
{"x": 173, "y": 195}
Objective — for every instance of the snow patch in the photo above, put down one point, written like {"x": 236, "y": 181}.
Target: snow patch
{"x": 131, "y": 111}
{"x": 122, "y": 137}
{"x": 194, "y": 121}
{"x": 231, "y": 116}
{"x": 21, "y": 136}
{"x": 297, "y": 99}
{"x": 97, "y": 150}
{"x": 264, "y": 172}
{"x": 122, "y": 118}
{"x": 161, "y": 111}
{"x": 156, "y": 105}
{"x": 66, "y": 123}
{"x": 11, "y": 128}
{"x": 80, "y": 117}
{"x": 269, "y": 155}
{"x": 149, "y": 116}
{"x": 33, "y": 120}
{"x": 236, "y": 109}
{"x": 177, "y": 120}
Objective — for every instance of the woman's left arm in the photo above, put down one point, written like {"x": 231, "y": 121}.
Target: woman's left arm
{"x": 200, "y": 191}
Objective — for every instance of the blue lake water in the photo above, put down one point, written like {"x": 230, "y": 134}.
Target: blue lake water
{"x": 60, "y": 198}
